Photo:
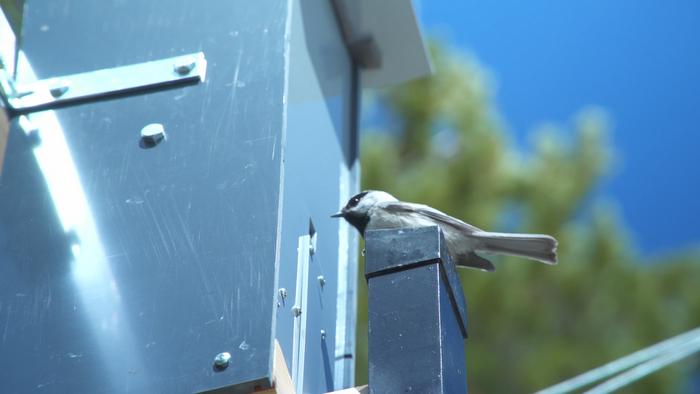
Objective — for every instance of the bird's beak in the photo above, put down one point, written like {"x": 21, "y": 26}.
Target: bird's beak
{"x": 338, "y": 215}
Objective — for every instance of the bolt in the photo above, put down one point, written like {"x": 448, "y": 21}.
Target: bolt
{"x": 58, "y": 87}
{"x": 222, "y": 360}
{"x": 323, "y": 335}
{"x": 296, "y": 311}
{"x": 321, "y": 280}
{"x": 151, "y": 135}
{"x": 312, "y": 245}
{"x": 185, "y": 66}
{"x": 282, "y": 292}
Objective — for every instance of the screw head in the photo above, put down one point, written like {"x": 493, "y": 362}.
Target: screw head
{"x": 222, "y": 360}
{"x": 58, "y": 87}
{"x": 321, "y": 280}
{"x": 151, "y": 135}
{"x": 296, "y": 311}
{"x": 184, "y": 66}
{"x": 323, "y": 335}
{"x": 312, "y": 245}
{"x": 282, "y": 292}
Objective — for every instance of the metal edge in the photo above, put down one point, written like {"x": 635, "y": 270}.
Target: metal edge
{"x": 440, "y": 256}
{"x": 448, "y": 271}
{"x": 56, "y": 92}
{"x": 280, "y": 196}
{"x": 377, "y": 235}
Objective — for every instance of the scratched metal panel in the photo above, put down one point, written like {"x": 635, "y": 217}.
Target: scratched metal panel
{"x": 319, "y": 175}
{"x": 125, "y": 269}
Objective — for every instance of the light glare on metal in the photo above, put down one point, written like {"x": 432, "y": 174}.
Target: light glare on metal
{"x": 222, "y": 360}
{"x": 151, "y": 135}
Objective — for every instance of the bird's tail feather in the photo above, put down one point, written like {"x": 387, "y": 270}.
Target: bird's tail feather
{"x": 538, "y": 247}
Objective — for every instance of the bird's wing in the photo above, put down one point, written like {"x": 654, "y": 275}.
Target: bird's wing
{"x": 461, "y": 258}
{"x": 431, "y": 213}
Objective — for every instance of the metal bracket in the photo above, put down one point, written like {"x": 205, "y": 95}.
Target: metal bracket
{"x": 55, "y": 92}
{"x": 300, "y": 311}
{"x": 363, "y": 48}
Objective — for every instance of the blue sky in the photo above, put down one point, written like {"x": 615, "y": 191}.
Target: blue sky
{"x": 639, "y": 60}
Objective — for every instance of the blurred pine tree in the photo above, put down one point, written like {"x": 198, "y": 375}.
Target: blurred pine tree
{"x": 531, "y": 325}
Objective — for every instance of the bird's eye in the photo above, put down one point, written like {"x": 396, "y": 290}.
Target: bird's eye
{"x": 354, "y": 201}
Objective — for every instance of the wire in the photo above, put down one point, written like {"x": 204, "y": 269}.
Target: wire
{"x": 646, "y": 368}
{"x": 659, "y": 350}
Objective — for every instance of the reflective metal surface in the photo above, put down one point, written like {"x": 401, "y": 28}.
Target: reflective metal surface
{"x": 320, "y": 174}
{"x": 93, "y": 85}
{"x": 392, "y": 250}
{"x": 125, "y": 269}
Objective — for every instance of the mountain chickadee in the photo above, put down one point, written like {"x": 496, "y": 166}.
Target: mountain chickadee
{"x": 374, "y": 209}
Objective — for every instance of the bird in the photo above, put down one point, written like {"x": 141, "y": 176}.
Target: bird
{"x": 375, "y": 209}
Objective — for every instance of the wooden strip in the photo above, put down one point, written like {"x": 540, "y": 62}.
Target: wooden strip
{"x": 282, "y": 380}
{"x": 4, "y": 133}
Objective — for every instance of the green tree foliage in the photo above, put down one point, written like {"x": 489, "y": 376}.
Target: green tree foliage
{"x": 531, "y": 325}
{"x": 13, "y": 13}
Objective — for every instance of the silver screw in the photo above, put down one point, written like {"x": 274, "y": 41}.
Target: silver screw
{"x": 282, "y": 292}
{"x": 323, "y": 335}
{"x": 222, "y": 360}
{"x": 312, "y": 244}
{"x": 321, "y": 280}
{"x": 185, "y": 66}
{"x": 296, "y": 311}
{"x": 151, "y": 135}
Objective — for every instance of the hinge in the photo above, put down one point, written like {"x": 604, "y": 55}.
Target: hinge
{"x": 95, "y": 85}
